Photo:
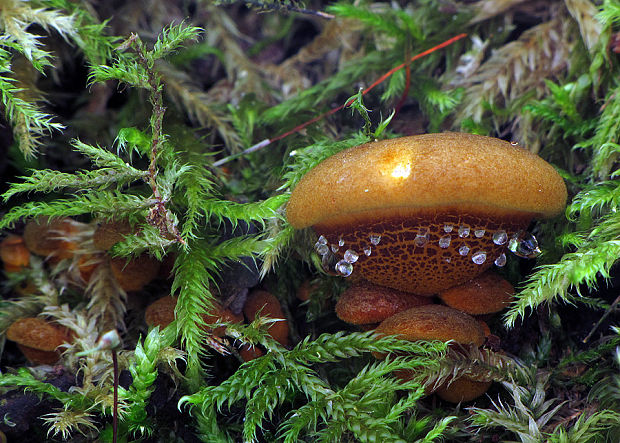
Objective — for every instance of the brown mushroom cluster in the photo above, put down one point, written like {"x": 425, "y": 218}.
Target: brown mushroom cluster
{"x": 426, "y": 216}
{"x": 85, "y": 245}
{"x": 258, "y": 303}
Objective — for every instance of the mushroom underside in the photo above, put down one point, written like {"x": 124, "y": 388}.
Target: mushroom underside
{"x": 421, "y": 254}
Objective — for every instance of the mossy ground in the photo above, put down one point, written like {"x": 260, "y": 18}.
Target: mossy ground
{"x": 143, "y": 110}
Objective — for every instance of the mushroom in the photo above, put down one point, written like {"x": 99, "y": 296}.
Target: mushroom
{"x": 486, "y": 294}
{"x": 38, "y": 339}
{"x": 434, "y": 322}
{"x": 266, "y": 305}
{"x": 366, "y": 303}
{"x": 437, "y": 322}
{"x": 462, "y": 389}
{"x": 426, "y": 212}
{"x": 110, "y": 232}
{"x": 161, "y": 313}
{"x": 134, "y": 274}
{"x": 14, "y": 254}
{"x": 58, "y": 237}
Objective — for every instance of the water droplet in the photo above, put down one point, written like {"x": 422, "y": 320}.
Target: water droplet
{"x": 444, "y": 241}
{"x": 448, "y": 260}
{"x": 422, "y": 238}
{"x": 500, "y": 237}
{"x": 524, "y": 245}
{"x": 334, "y": 248}
{"x": 328, "y": 263}
{"x": 479, "y": 233}
{"x": 375, "y": 239}
{"x": 322, "y": 240}
{"x": 479, "y": 257}
{"x": 344, "y": 268}
{"x": 340, "y": 241}
{"x": 463, "y": 231}
{"x": 513, "y": 143}
{"x": 350, "y": 256}
{"x": 321, "y": 249}
{"x": 501, "y": 260}
{"x": 448, "y": 228}
{"x": 368, "y": 250}
{"x": 464, "y": 250}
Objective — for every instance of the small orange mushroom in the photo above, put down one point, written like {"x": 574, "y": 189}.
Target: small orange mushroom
{"x": 136, "y": 273}
{"x": 463, "y": 389}
{"x": 38, "y": 339}
{"x": 486, "y": 294}
{"x": 247, "y": 352}
{"x": 268, "y": 306}
{"x": 110, "y": 232}
{"x": 434, "y": 322}
{"x": 366, "y": 303}
{"x": 424, "y": 213}
{"x": 161, "y": 313}
{"x": 56, "y": 237}
{"x": 438, "y": 322}
{"x": 14, "y": 254}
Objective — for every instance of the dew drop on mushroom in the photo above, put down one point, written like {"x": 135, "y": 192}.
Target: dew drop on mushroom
{"x": 501, "y": 260}
{"x": 479, "y": 257}
{"x": 500, "y": 237}
{"x": 350, "y": 256}
{"x": 444, "y": 241}
{"x": 344, "y": 268}
{"x": 523, "y": 244}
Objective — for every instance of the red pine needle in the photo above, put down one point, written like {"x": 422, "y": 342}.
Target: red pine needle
{"x": 298, "y": 128}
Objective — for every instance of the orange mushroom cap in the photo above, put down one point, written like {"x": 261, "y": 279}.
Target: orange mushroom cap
{"x": 57, "y": 237}
{"x": 110, "y": 232}
{"x": 365, "y": 303}
{"x": 426, "y": 212}
{"x": 136, "y": 273}
{"x": 161, "y": 313}
{"x": 269, "y": 306}
{"x": 463, "y": 389}
{"x": 433, "y": 322}
{"x": 38, "y": 339}
{"x": 485, "y": 294}
{"x": 14, "y": 254}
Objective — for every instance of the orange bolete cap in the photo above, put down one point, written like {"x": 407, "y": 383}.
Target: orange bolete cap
{"x": 462, "y": 389}
{"x": 485, "y": 294}
{"x": 14, "y": 254}
{"x": 110, "y": 232}
{"x": 38, "y": 339}
{"x": 365, "y": 303}
{"x": 434, "y": 322}
{"x": 135, "y": 273}
{"x": 161, "y": 313}
{"x": 426, "y": 212}
{"x": 268, "y": 306}
{"x": 57, "y": 237}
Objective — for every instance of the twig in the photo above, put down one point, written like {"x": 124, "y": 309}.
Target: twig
{"x": 115, "y": 409}
{"x": 385, "y": 76}
{"x": 603, "y": 317}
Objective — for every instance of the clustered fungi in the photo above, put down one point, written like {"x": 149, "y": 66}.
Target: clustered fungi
{"x": 422, "y": 216}
{"x": 258, "y": 303}
{"x": 82, "y": 249}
